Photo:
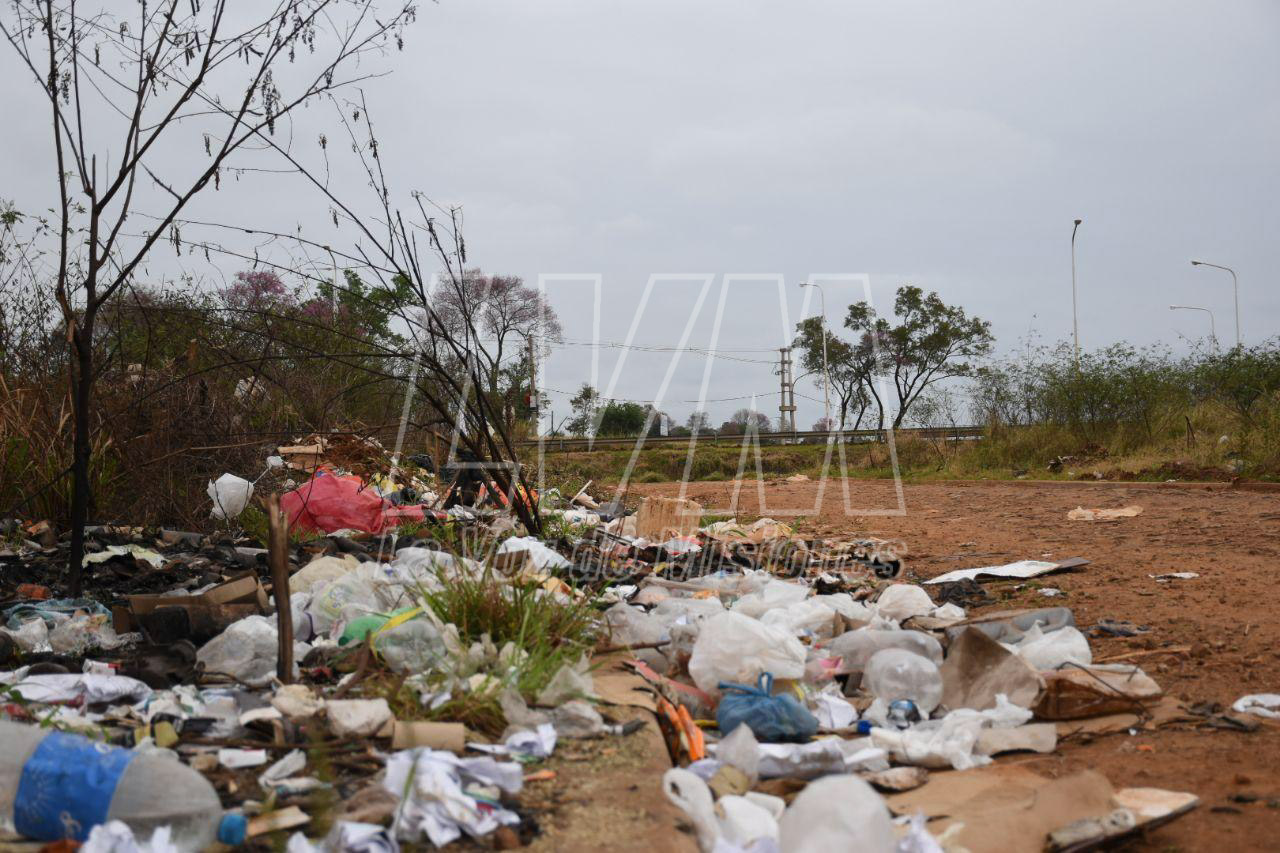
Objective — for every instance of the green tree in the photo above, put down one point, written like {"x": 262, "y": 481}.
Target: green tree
{"x": 929, "y": 342}
{"x": 851, "y": 365}
{"x": 585, "y": 406}
{"x": 622, "y": 419}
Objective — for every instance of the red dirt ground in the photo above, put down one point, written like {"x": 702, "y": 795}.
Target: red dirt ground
{"x": 1231, "y": 537}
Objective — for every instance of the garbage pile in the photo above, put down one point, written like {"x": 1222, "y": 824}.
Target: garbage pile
{"x": 807, "y": 693}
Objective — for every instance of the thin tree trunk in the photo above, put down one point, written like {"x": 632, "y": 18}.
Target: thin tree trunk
{"x": 81, "y": 400}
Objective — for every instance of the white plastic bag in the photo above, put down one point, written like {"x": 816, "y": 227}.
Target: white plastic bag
{"x": 741, "y": 750}
{"x": 1052, "y": 650}
{"x": 732, "y": 823}
{"x": 541, "y": 556}
{"x": 230, "y": 495}
{"x": 843, "y": 603}
{"x": 247, "y": 651}
{"x": 904, "y": 600}
{"x": 736, "y": 648}
{"x": 631, "y": 626}
{"x": 774, "y": 594}
{"x": 837, "y": 813}
{"x": 810, "y": 616}
{"x": 855, "y": 648}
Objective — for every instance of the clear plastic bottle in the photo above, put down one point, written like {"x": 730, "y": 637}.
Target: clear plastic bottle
{"x": 55, "y": 785}
{"x": 894, "y": 674}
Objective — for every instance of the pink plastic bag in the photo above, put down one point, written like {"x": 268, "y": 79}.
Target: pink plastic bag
{"x": 330, "y": 503}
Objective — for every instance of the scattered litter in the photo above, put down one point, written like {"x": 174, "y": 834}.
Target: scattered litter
{"x": 1261, "y": 704}
{"x": 1082, "y": 514}
{"x": 1022, "y": 569}
{"x": 802, "y": 685}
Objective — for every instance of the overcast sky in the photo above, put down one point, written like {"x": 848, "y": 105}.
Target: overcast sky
{"x": 941, "y": 144}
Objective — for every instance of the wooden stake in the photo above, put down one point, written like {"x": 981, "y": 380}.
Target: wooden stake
{"x": 278, "y": 559}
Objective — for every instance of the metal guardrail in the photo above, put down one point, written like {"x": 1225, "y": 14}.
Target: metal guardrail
{"x": 849, "y": 436}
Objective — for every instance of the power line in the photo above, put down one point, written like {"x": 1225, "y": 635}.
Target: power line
{"x": 629, "y": 400}
{"x": 641, "y": 348}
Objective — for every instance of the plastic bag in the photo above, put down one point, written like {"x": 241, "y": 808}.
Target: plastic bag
{"x": 33, "y": 636}
{"x": 631, "y": 626}
{"x": 774, "y": 594}
{"x": 1052, "y": 650}
{"x": 328, "y": 503}
{"x": 837, "y": 813}
{"x": 843, "y": 603}
{"x": 855, "y": 648}
{"x": 741, "y": 820}
{"x": 670, "y": 610}
{"x": 810, "y": 616}
{"x": 741, "y": 750}
{"x": 541, "y": 556}
{"x": 321, "y": 571}
{"x": 904, "y": 600}
{"x": 357, "y": 593}
{"x": 571, "y": 681}
{"x": 771, "y": 718}
{"x": 230, "y": 495}
{"x": 247, "y": 651}
{"x": 737, "y": 648}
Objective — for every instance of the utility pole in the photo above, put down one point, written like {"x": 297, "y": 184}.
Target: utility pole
{"x": 1075, "y": 315}
{"x": 787, "y": 408}
{"x": 533, "y": 388}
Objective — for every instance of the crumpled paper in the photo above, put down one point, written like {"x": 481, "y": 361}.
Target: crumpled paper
{"x": 525, "y": 743}
{"x": 347, "y": 837}
{"x": 434, "y": 801}
{"x": 115, "y": 836}
{"x": 69, "y": 687}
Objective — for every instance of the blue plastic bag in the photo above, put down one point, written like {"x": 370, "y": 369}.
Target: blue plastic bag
{"x": 772, "y": 719}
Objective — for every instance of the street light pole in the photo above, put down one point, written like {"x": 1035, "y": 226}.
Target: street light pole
{"x": 1213, "y": 326}
{"x": 826, "y": 375}
{"x": 1235, "y": 287}
{"x": 1075, "y": 316}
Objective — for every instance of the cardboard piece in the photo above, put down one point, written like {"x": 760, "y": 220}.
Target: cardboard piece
{"x": 1082, "y": 514}
{"x": 449, "y": 736}
{"x": 1004, "y": 807}
{"x": 616, "y": 684}
{"x": 223, "y": 604}
{"x": 286, "y": 818}
{"x": 1137, "y": 810}
{"x": 1071, "y": 694}
{"x": 659, "y": 519}
{"x": 1022, "y": 569}
{"x": 1163, "y": 711}
{"x": 1033, "y": 737}
{"x": 977, "y": 668}
{"x": 897, "y": 778}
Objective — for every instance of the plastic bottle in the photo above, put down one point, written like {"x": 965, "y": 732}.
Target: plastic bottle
{"x": 894, "y": 674}
{"x": 55, "y": 785}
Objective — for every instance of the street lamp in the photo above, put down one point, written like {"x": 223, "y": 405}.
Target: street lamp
{"x": 1075, "y": 316}
{"x": 1235, "y": 286}
{"x": 826, "y": 376}
{"x": 1213, "y": 327}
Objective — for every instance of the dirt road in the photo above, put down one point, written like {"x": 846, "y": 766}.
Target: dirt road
{"x": 1228, "y": 615}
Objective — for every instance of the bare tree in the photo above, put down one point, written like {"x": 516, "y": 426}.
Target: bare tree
{"x": 510, "y": 317}
{"x": 122, "y": 88}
